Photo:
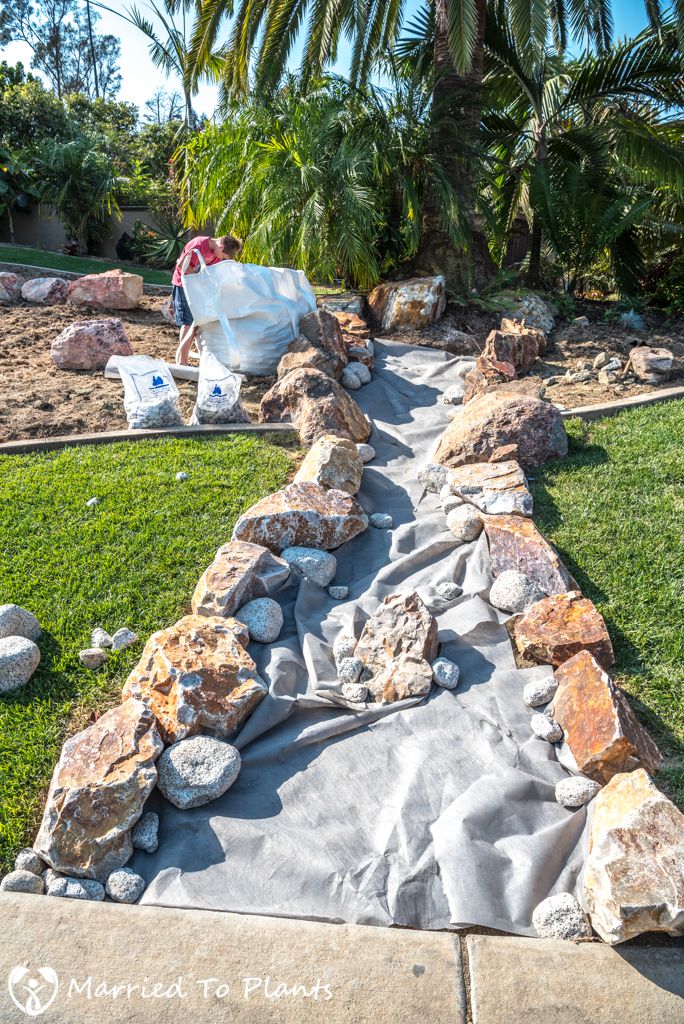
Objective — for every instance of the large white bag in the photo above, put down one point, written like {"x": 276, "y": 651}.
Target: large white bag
{"x": 247, "y": 314}
{"x": 150, "y": 393}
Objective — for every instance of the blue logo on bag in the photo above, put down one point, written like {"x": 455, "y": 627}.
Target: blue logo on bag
{"x": 217, "y": 390}
{"x": 158, "y": 383}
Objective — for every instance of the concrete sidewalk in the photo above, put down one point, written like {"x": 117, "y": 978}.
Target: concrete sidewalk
{"x": 138, "y": 965}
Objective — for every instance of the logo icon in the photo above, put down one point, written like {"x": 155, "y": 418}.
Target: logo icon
{"x": 158, "y": 382}
{"x": 217, "y": 390}
{"x": 33, "y": 993}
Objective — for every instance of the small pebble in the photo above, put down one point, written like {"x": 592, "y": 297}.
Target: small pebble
{"x": 92, "y": 502}
{"x": 381, "y": 520}
{"x": 349, "y": 670}
{"x": 76, "y": 889}
{"x": 560, "y": 917}
{"x": 433, "y": 477}
{"x": 349, "y": 379}
{"x": 22, "y": 881}
{"x": 344, "y": 646}
{"x": 362, "y": 372}
{"x": 123, "y": 638}
{"x": 124, "y": 886}
{"x": 513, "y": 592}
{"x": 17, "y": 621}
{"x": 263, "y": 617}
{"x": 338, "y": 593}
{"x": 537, "y": 693}
{"x": 93, "y": 657}
{"x": 465, "y": 523}
{"x": 355, "y": 693}
{"x": 546, "y": 729}
{"x": 28, "y": 860}
{"x": 100, "y": 638}
{"x": 366, "y": 451}
{"x": 445, "y": 673}
{"x": 181, "y": 476}
{"x": 145, "y": 833}
{"x": 453, "y": 395}
{"x": 449, "y": 591}
{"x": 576, "y": 791}
{"x": 197, "y": 770}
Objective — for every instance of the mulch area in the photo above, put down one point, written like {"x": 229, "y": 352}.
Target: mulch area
{"x": 38, "y": 400}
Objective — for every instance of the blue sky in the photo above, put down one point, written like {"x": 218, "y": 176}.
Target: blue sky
{"x": 141, "y": 78}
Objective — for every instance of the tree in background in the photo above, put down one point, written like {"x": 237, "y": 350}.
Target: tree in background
{"x": 66, "y": 46}
{"x": 164, "y": 106}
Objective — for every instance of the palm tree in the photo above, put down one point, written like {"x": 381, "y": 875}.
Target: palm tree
{"x": 585, "y": 147}
{"x": 264, "y": 32}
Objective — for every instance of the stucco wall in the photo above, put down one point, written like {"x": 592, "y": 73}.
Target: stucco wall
{"x": 40, "y": 229}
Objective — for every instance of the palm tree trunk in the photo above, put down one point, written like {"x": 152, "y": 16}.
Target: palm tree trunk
{"x": 457, "y": 109}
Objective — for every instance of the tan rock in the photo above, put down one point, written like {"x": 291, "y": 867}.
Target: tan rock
{"x": 322, "y": 330}
{"x": 504, "y": 418}
{"x": 89, "y": 344}
{"x": 359, "y": 353}
{"x": 10, "y": 286}
{"x": 532, "y": 311}
{"x": 651, "y": 365}
{"x": 414, "y": 303}
{"x": 402, "y": 677}
{"x": 197, "y": 678}
{"x": 516, "y": 543}
{"x": 239, "y": 573}
{"x": 352, "y": 324}
{"x": 600, "y": 728}
{"x": 395, "y": 642}
{"x": 507, "y": 452}
{"x": 487, "y": 374}
{"x": 301, "y": 353}
{"x": 98, "y": 789}
{"x": 332, "y": 462}
{"x": 114, "y": 289}
{"x": 558, "y": 627}
{"x": 496, "y": 488}
{"x": 634, "y": 873}
{"x": 302, "y": 515}
{"x": 316, "y": 404}
{"x": 520, "y": 346}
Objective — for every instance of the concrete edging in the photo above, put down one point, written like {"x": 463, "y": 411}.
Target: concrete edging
{"x": 597, "y": 412}
{"x": 108, "y": 437}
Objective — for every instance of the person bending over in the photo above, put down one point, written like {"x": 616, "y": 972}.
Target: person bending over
{"x": 213, "y": 250}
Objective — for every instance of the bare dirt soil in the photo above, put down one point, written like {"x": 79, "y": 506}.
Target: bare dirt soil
{"x": 38, "y": 400}
{"x": 569, "y": 347}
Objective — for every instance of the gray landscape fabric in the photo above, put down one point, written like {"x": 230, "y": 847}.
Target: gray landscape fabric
{"x": 434, "y": 813}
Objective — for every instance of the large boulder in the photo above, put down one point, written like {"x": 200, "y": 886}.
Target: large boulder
{"x": 10, "y": 286}
{"x": 396, "y": 646}
{"x": 89, "y": 344}
{"x": 503, "y": 418}
{"x": 239, "y": 573}
{"x": 197, "y": 677}
{"x": 115, "y": 289}
{"x": 415, "y": 303}
{"x": 520, "y": 346}
{"x": 651, "y": 365}
{"x": 301, "y": 353}
{"x": 516, "y": 543}
{"x": 48, "y": 291}
{"x": 302, "y": 515}
{"x": 332, "y": 462}
{"x": 322, "y": 330}
{"x": 599, "y": 726}
{"x": 558, "y": 627}
{"x": 98, "y": 789}
{"x": 494, "y": 487}
{"x": 634, "y": 873}
{"x": 316, "y": 404}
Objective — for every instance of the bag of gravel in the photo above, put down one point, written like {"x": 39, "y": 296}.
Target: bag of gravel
{"x": 218, "y": 391}
{"x": 150, "y": 393}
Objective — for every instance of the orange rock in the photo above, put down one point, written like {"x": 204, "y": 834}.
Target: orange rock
{"x": 599, "y": 726}
{"x": 486, "y": 375}
{"x": 115, "y": 289}
{"x": 397, "y": 642}
{"x": 98, "y": 789}
{"x": 402, "y": 677}
{"x": 302, "y": 515}
{"x": 516, "y": 543}
{"x": 634, "y": 874}
{"x": 495, "y": 488}
{"x": 322, "y": 329}
{"x": 520, "y": 347}
{"x": 239, "y": 573}
{"x": 556, "y": 628}
{"x": 300, "y": 354}
{"x": 414, "y": 303}
{"x": 197, "y": 678}
{"x": 352, "y": 324}
{"x": 316, "y": 404}
{"x": 507, "y": 452}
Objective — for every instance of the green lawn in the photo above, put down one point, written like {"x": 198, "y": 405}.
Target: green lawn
{"x": 615, "y": 511}
{"x": 20, "y": 254}
{"x": 132, "y": 560}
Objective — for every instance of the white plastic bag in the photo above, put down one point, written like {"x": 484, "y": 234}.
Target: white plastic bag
{"x": 218, "y": 391}
{"x": 247, "y": 314}
{"x": 150, "y": 393}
